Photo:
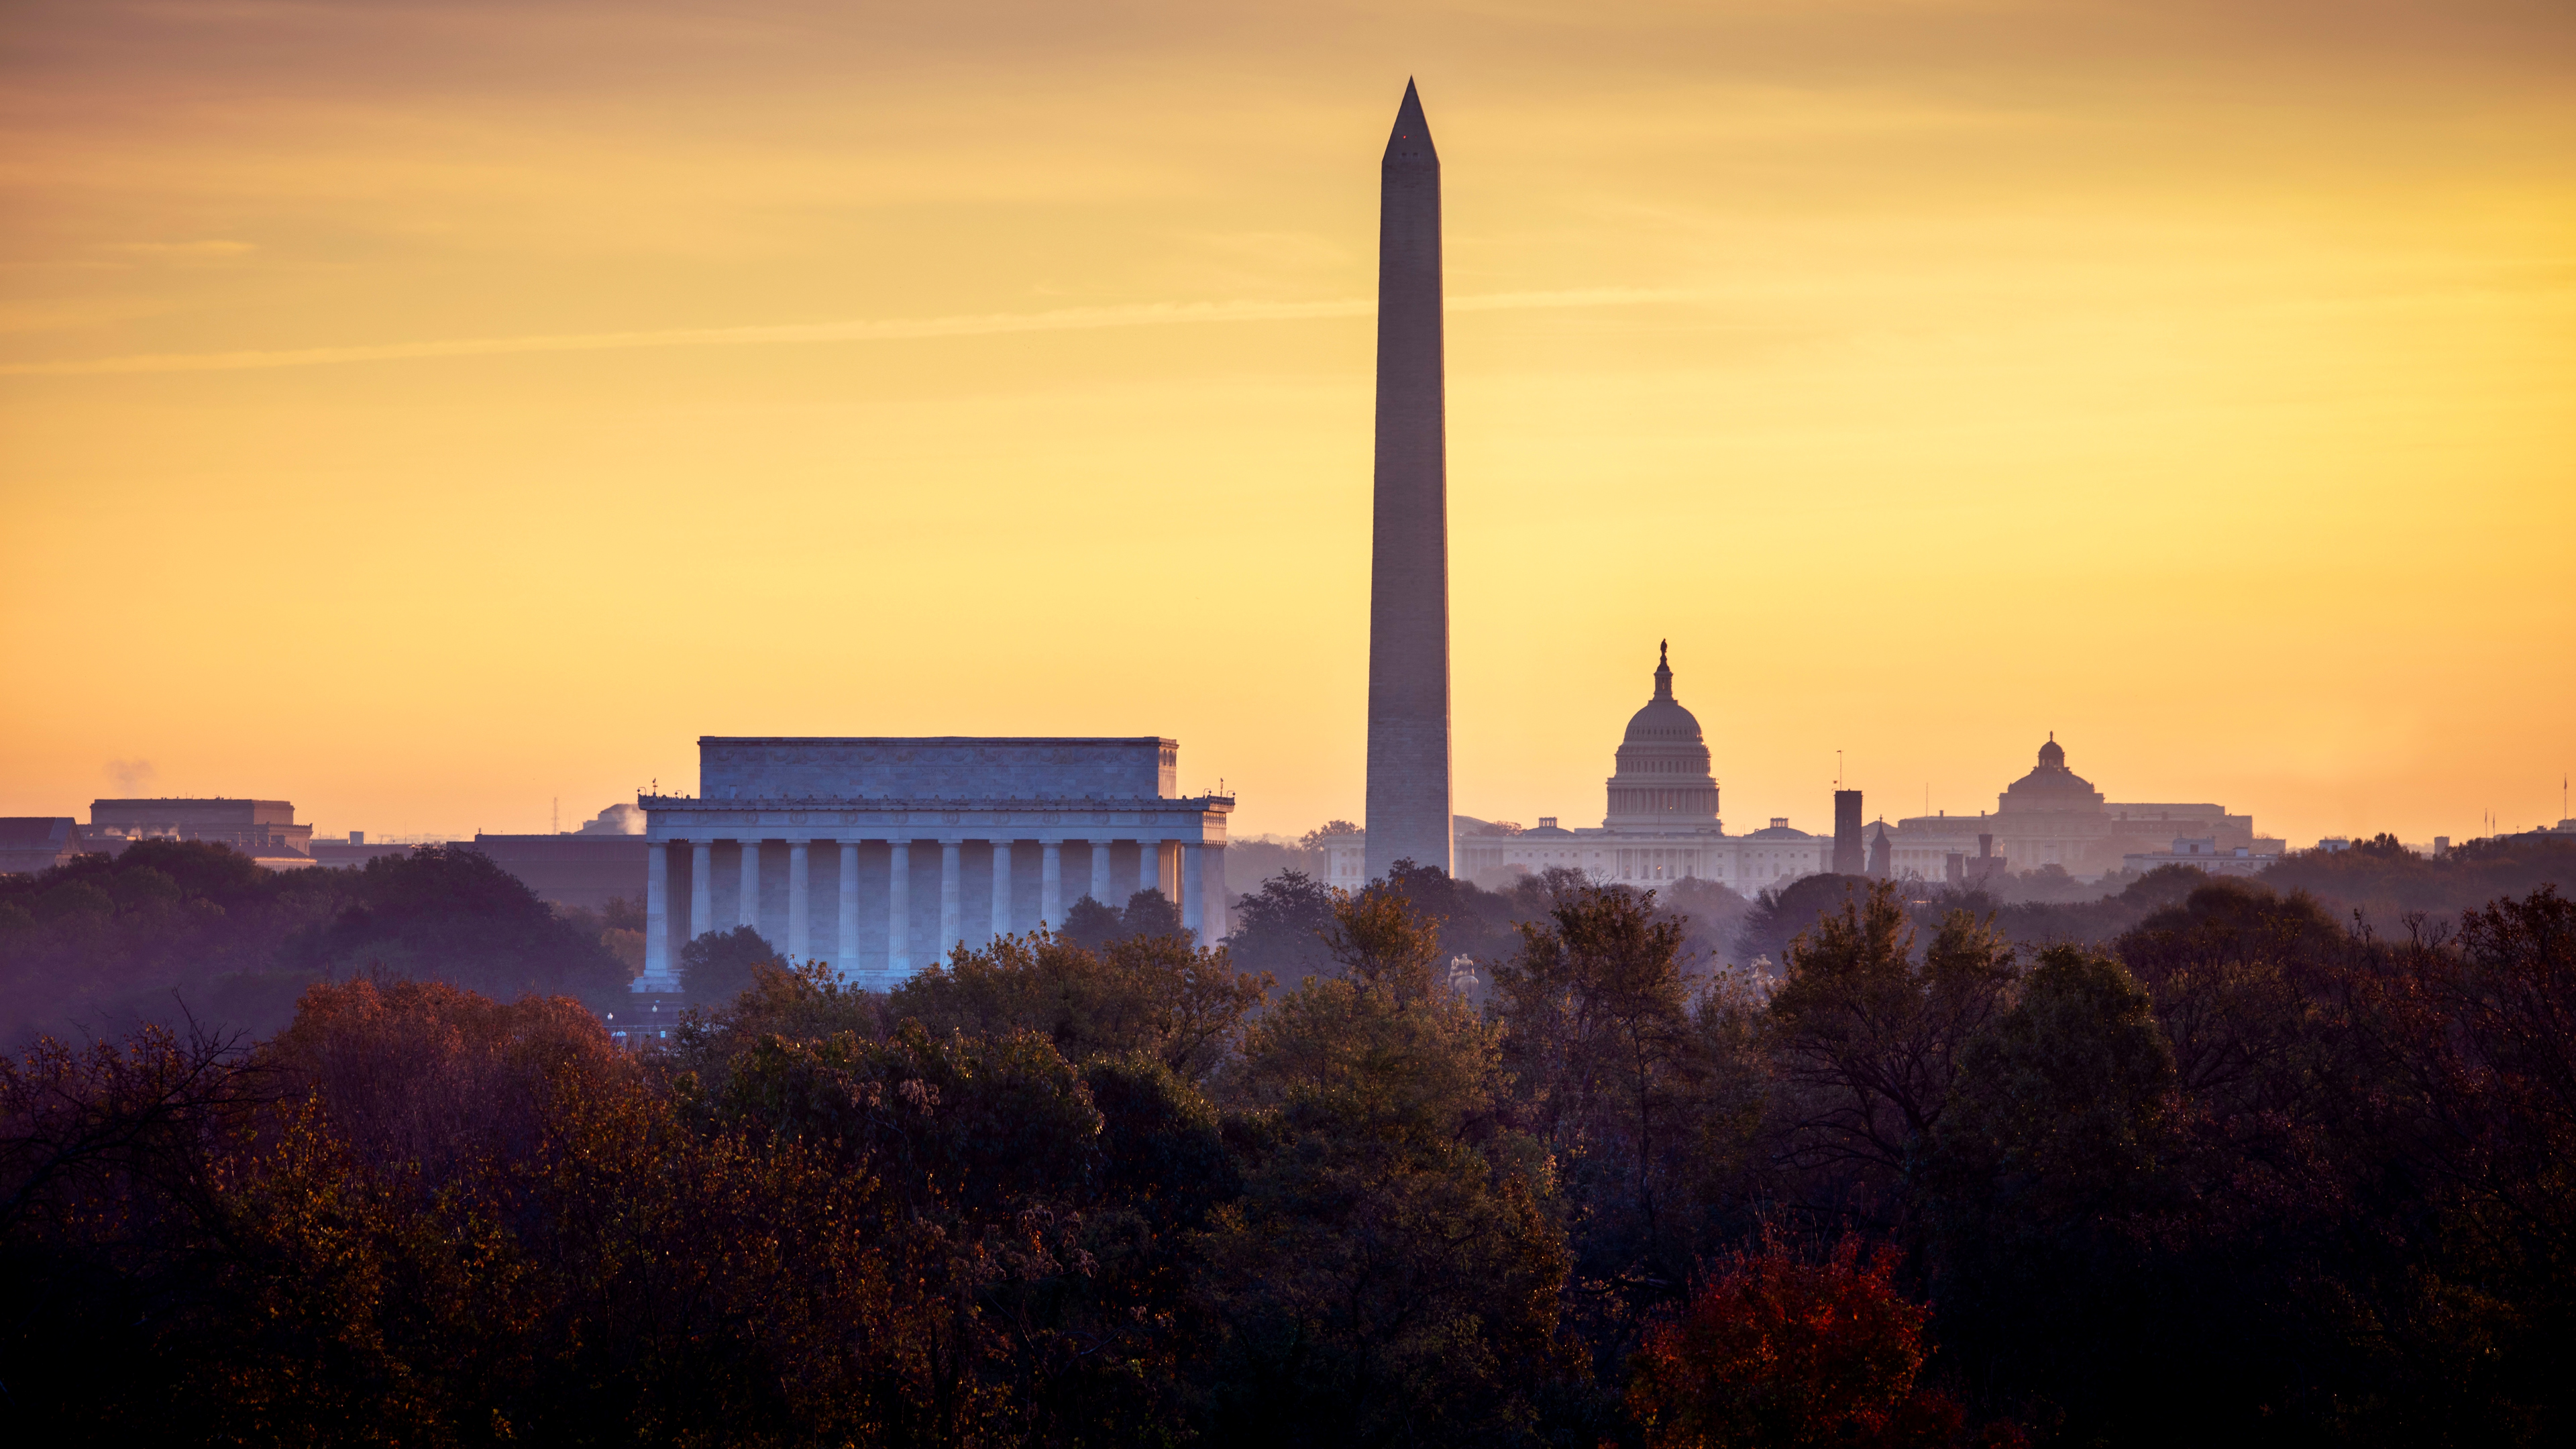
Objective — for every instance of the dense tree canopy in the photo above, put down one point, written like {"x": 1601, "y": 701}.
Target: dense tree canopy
{"x": 2241, "y": 1166}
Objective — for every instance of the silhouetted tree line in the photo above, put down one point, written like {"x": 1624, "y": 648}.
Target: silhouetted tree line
{"x": 1281, "y": 927}
{"x": 171, "y": 928}
{"x": 2250, "y": 1168}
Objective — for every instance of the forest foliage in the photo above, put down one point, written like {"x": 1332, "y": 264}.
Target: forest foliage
{"x": 2249, "y": 1166}
{"x": 170, "y": 930}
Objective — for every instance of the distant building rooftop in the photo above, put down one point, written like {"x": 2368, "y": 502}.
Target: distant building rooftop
{"x": 264, "y": 830}
{"x": 33, "y": 843}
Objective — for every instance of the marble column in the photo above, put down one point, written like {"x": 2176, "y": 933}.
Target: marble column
{"x": 749, "y": 914}
{"x": 1212, "y": 913}
{"x": 1001, "y": 889}
{"x": 846, "y": 954}
{"x": 1149, "y": 866}
{"x": 952, "y": 915}
{"x": 899, "y": 914}
{"x": 657, "y": 917}
{"x": 1100, "y": 871}
{"x": 1051, "y": 885}
{"x": 799, "y": 903}
{"x": 1189, "y": 887}
{"x": 702, "y": 888}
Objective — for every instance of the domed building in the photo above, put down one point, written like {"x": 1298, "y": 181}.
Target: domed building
{"x": 2053, "y": 816}
{"x": 1660, "y": 775}
{"x": 1662, "y": 819}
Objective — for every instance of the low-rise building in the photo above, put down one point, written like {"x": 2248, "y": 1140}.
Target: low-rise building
{"x": 2202, "y": 853}
{"x": 572, "y": 869}
{"x": 353, "y": 852}
{"x": 264, "y": 830}
{"x": 31, "y": 844}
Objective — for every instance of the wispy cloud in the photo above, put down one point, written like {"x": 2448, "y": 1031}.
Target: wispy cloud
{"x": 1066, "y": 319}
{"x": 211, "y": 249}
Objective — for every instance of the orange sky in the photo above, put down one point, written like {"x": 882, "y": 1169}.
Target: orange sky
{"x": 421, "y": 411}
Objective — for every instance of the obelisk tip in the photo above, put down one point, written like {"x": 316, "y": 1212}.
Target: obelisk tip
{"x": 1410, "y": 143}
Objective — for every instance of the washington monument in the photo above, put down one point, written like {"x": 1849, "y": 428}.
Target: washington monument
{"x": 1408, "y": 708}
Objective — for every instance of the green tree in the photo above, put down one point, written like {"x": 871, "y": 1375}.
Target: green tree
{"x": 1314, "y": 839}
{"x": 721, "y": 965}
{"x": 1158, "y": 994}
{"x": 1280, "y": 928}
{"x": 1867, "y": 1038}
{"x": 1779, "y": 914}
{"x": 1391, "y": 1271}
{"x": 2067, "y": 1100}
{"x": 448, "y": 913}
{"x": 1640, "y": 1101}
{"x": 2049, "y": 1187}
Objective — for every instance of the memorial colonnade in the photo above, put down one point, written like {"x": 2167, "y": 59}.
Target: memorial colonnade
{"x": 880, "y": 892}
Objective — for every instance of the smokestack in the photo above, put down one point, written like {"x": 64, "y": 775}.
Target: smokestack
{"x": 1849, "y": 854}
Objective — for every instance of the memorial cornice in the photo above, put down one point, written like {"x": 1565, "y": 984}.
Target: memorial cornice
{"x": 685, "y": 817}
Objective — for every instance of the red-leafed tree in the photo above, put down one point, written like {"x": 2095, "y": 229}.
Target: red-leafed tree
{"x": 1777, "y": 1349}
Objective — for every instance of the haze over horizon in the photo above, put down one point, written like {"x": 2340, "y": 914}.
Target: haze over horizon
{"x": 423, "y": 412}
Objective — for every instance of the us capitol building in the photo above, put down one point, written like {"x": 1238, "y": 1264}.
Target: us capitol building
{"x": 1662, "y": 823}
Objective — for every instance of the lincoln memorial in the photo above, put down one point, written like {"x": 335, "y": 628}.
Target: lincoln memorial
{"x": 879, "y": 855}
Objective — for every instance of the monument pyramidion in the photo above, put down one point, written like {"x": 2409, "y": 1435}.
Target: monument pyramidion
{"x": 1408, "y": 707}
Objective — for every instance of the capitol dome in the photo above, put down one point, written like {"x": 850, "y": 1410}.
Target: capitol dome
{"x": 1662, "y": 776}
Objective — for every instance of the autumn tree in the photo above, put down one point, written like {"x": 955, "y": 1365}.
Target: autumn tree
{"x": 1778, "y": 1350}
{"x": 572, "y": 1258}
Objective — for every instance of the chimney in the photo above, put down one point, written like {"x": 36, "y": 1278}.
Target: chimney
{"x": 1849, "y": 854}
